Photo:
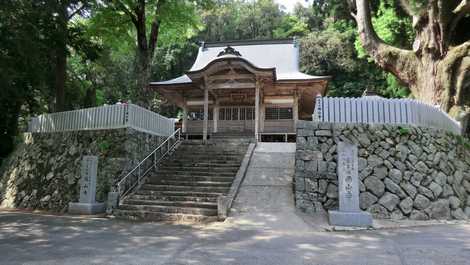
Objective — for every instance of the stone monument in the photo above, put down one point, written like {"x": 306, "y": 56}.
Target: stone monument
{"x": 87, "y": 203}
{"x": 349, "y": 213}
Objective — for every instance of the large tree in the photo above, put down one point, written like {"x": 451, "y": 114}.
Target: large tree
{"x": 436, "y": 69}
{"x": 149, "y": 20}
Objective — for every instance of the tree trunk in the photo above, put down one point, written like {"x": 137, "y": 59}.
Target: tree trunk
{"x": 143, "y": 68}
{"x": 61, "y": 58}
{"x": 60, "y": 77}
{"x": 435, "y": 72}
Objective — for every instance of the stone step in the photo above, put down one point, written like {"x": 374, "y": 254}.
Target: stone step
{"x": 203, "y": 153}
{"x": 217, "y": 140}
{"x": 156, "y": 179}
{"x": 191, "y": 183}
{"x": 188, "y": 183}
{"x": 202, "y": 164}
{"x": 212, "y": 160}
{"x": 183, "y": 204}
{"x": 182, "y": 197}
{"x": 166, "y": 172}
{"x": 228, "y": 169}
{"x": 162, "y": 217}
{"x": 164, "y": 193}
{"x": 169, "y": 209}
{"x": 202, "y": 156}
{"x": 158, "y": 187}
{"x": 216, "y": 147}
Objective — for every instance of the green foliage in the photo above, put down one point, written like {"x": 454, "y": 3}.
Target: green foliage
{"x": 238, "y": 20}
{"x": 25, "y": 66}
{"x": 461, "y": 140}
{"x": 403, "y": 131}
{"x": 331, "y": 52}
{"x": 101, "y": 48}
{"x": 291, "y": 26}
{"x": 104, "y": 146}
{"x": 390, "y": 27}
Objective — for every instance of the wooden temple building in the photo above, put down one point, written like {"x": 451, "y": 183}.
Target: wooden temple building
{"x": 253, "y": 87}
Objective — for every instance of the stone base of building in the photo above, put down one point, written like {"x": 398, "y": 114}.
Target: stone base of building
{"x": 360, "y": 218}
{"x": 86, "y": 208}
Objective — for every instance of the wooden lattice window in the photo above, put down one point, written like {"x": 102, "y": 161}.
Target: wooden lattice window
{"x": 278, "y": 114}
{"x": 198, "y": 115}
{"x": 236, "y": 113}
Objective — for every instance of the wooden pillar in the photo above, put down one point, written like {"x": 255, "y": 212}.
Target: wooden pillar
{"x": 184, "y": 125}
{"x": 295, "y": 110}
{"x": 257, "y": 109}
{"x": 216, "y": 115}
{"x": 262, "y": 116}
{"x": 206, "y": 114}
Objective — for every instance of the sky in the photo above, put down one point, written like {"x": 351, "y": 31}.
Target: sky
{"x": 289, "y": 4}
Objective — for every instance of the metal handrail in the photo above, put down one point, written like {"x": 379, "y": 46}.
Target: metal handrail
{"x": 138, "y": 168}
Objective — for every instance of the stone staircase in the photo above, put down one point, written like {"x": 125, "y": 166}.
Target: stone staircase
{"x": 187, "y": 184}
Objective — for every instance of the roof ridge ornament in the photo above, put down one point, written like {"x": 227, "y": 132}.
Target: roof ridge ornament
{"x": 229, "y": 50}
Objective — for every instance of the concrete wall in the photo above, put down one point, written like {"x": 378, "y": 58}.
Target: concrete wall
{"x": 415, "y": 173}
{"x": 44, "y": 171}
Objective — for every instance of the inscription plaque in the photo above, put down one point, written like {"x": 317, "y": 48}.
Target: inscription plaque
{"x": 349, "y": 213}
{"x": 87, "y": 203}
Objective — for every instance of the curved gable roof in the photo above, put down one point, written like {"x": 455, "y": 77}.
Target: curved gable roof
{"x": 282, "y": 55}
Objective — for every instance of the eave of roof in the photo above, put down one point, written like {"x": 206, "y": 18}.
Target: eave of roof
{"x": 246, "y": 42}
{"x": 234, "y": 58}
{"x": 284, "y": 64}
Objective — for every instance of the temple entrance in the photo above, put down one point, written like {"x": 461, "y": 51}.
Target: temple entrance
{"x": 254, "y": 89}
{"x": 236, "y": 119}
{"x": 228, "y": 119}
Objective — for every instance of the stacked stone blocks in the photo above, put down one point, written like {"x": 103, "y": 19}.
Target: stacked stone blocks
{"x": 405, "y": 173}
{"x": 44, "y": 171}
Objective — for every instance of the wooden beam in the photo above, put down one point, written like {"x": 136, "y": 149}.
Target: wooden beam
{"x": 235, "y": 85}
{"x": 231, "y": 77}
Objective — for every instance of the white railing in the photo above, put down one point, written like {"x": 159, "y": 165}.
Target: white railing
{"x": 376, "y": 110}
{"x": 105, "y": 117}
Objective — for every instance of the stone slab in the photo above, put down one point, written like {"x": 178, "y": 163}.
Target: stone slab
{"x": 86, "y": 208}
{"x": 273, "y": 160}
{"x": 224, "y": 203}
{"x": 348, "y": 177}
{"x": 268, "y": 176}
{"x": 358, "y": 219}
{"x": 276, "y": 148}
{"x": 88, "y": 171}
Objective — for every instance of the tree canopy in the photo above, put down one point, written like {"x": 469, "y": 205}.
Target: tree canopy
{"x": 67, "y": 54}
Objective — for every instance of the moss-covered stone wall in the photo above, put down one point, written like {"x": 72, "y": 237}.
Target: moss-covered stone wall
{"x": 44, "y": 171}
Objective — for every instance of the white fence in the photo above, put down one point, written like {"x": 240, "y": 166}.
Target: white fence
{"x": 383, "y": 111}
{"x": 105, "y": 117}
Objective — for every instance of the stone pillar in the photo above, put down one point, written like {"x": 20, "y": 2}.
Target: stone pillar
{"x": 257, "y": 109}
{"x": 206, "y": 114}
{"x": 184, "y": 122}
{"x": 87, "y": 203}
{"x": 349, "y": 213}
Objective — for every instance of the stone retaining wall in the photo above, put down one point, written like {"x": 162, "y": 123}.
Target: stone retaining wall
{"x": 44, "y": 171}
{"x": 405, "y": 172}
